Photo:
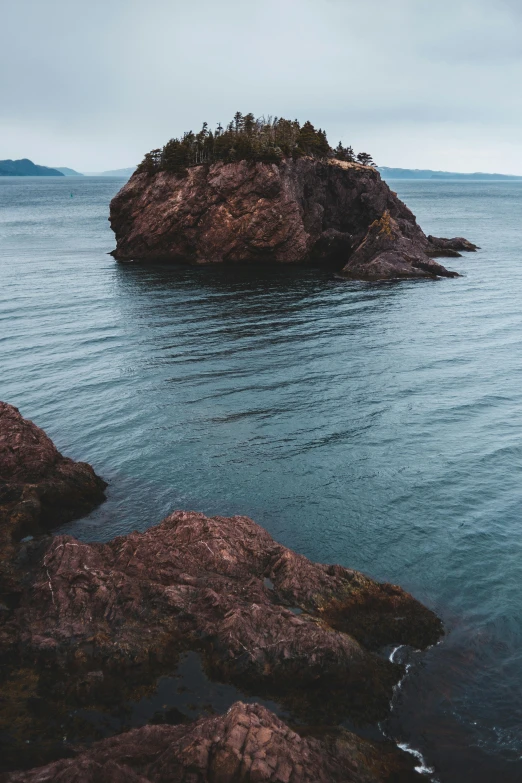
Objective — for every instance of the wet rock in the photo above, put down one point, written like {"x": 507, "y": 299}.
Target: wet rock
{"x": 295, "y": 212}
{"x": 247, "y": 744}
{"x": 393, "y": 248}
{"x": 94, "y": 625}
{"x": 39, "y": 487}
{"x": 96, "y": 621}
{"x": 445, "y": 247}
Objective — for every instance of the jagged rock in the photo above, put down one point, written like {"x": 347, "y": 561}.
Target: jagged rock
{"x": 95, "y": 624}
{"x": 445, "y": 247}
{"x": 248, "y": 744}
{"x": 298, "y": 211}
{"x": 39, "y": 488}
{"x": 388, "y": 251}
{"x": 195, "y": 582}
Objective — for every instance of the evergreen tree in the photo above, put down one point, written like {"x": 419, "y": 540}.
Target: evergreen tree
{"x": 249, "y": 123}
{"x": 344, "y": 153}
{"x": 307, "y": 138}
{"x": 175, "y": 156}
{"x": 238, "y": 122}
{"x": 339, "y": 152}
{"x": 267, "y": 139}
{"x": 365, "y": 159}
{"x": 151, "y": 162}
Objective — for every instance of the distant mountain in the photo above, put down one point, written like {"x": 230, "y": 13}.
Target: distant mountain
{"x": 391, "y": 173}
{"x": 68, "y": 172}
{"x": 26, "y": 168}
{"x": 113, "y": 173}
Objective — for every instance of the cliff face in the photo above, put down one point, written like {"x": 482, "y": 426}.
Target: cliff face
{"x": 300, "y": 211}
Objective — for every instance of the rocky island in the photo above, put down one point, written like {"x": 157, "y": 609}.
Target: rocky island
{"x": 271, "y": 192}
{"x": 87, "y": 627}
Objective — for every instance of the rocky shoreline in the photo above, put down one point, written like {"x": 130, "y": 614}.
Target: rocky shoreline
{"x": 327, "y": 213}
{"x": 89, "y": 626}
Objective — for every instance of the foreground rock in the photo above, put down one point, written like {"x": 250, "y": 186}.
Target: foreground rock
{"x": 298, "y": 211}
{"x": 39, "y": 487}
{"x": 247, "y": 744}
{"x": 99, "y": 619}
{"x": 91, "y": 626}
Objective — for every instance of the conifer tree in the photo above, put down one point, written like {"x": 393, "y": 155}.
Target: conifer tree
{"x": 266, "y": 139}
{"x": 365, "y": 159}
{"x": 339, "y": 152}
{"x": 238, "y": 122}
{"x": 249, "y": 123}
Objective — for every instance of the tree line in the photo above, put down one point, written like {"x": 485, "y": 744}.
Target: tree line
{"x": 265, "y": 139}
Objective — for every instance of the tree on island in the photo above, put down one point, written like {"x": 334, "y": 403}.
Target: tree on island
{"x": 265, "y": 139}
{"x": 344, "y": 153}
{"x": 365, "y": 159}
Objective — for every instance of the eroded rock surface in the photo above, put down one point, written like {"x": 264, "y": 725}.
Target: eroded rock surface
{"x": 298, "y": 211}
{"x": 247, "y": 744}
{"x": 91, "y": 626}
{"x": 195, "y": 582}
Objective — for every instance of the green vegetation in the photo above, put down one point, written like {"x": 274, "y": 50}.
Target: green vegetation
{"x": 246, "y": 138}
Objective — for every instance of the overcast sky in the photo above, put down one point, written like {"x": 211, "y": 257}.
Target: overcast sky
{"x": 93, "y": 84}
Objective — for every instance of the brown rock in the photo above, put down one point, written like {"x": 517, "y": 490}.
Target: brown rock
{"x": 94, "y": 624}
{"x": 248, "y": 744}
{"x": 390, "y": 249}
{"x": 446, "y": 247}
{"x": 39, "y": 488}
{"x": 298, "y": 211}
{"x": 195, "y": 582}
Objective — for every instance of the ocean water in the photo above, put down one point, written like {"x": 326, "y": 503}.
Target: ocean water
{"x": 374, "y": 425}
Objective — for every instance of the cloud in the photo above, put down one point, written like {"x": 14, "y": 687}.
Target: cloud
{"x": 96, "y": 84}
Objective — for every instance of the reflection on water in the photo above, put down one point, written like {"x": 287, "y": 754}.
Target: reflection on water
{"x": 181, "y": 697}
{"x": 378, "y": 426}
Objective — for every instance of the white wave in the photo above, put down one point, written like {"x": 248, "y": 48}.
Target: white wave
{"x": 422, "y": 768}
{"x": 392, "y": 654}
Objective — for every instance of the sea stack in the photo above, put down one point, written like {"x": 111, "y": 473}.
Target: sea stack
{"x": 323, "y": 212}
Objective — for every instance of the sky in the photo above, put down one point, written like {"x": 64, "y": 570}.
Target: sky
{"x": 94, "y": 84}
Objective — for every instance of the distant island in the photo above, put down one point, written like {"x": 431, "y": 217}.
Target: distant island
{"x": 386, "y": 172}
{"x": 68, "y": 172}
{"x": 26, "y": 168}
{"x": 112, "y": 173}
{"x": 393, "y": 173}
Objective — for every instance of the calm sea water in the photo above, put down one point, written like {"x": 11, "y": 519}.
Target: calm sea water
{"x": 378, "y": 426}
